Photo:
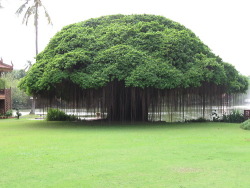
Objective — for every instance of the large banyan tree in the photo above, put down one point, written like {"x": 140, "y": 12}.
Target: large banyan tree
{"x": 131, "y": 68}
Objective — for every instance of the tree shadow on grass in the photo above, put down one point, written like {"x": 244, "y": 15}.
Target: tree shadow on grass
{"x": 116, "y": 125}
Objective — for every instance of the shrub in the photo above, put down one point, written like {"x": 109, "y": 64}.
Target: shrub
{"x": 58, "y": 115}
{"x": 9, "y": 113}
{"x": 72, "y": 118}
{"x": 245, "y": 125}
{"x": 234, "y": 117}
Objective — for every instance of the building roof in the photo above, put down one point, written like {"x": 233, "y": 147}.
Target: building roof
{"x": 5, "y": 67}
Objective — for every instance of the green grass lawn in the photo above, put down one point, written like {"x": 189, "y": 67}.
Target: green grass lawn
{"x": 35, "y": 153}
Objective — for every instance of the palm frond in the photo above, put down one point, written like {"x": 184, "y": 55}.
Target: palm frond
{"x": 26, "y": 16}
{"x": 39, "y": 3}
{"x": 28, "y": 65}
{"x": 33, "y": 10}
{"x": 47, "y": 16}
{"x": 22, "y": 7}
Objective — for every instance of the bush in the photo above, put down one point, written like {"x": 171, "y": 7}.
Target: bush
{"x": 9, "y": 113}
{"x": 72, "y": 118}
{"x": 58, "y": 115}
{"x": 234, "y": 117}
{"x": 245, "y": 125}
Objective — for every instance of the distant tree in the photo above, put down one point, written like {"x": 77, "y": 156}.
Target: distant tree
{"x": 20, "y": 99}
{"x": 18, "y": 74}
{"x": 31, "y": 7}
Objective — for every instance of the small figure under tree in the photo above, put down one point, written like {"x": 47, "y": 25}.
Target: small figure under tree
{"x": 18, "y": 113}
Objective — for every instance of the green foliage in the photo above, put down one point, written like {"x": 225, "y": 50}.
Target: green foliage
{"x": 235, "y": 83}
{"x": 58, "y": 115}
{"x": 9, "y": 113}
{"x": 2, "y": 83}
{"x": 245, "y": 125}
{"x": 142, "y": 50}
{"x": 234, "y": 117}
{"x": 17, "y": 74}
{"x": 19, "y": 98}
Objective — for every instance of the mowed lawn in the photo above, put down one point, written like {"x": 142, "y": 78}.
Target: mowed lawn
{"x": 37, "y": 153}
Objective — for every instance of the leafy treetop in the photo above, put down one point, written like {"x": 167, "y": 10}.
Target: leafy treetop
{"x": 142, "y": 50}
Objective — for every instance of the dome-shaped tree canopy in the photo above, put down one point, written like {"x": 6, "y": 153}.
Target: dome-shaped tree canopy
{"x": 141, "y": 51}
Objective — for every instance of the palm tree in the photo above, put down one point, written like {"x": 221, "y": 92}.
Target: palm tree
{"x": 31, "y": 8}
{"x": 28, "y": 65}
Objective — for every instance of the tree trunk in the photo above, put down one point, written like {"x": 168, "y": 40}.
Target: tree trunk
{"x": 36, "y": 28}
{"x": 126, "y": 103}
{"x": 33, "y": 105}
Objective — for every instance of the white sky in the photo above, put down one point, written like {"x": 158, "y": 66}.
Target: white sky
{"x": 223, "y": 25}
